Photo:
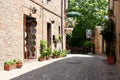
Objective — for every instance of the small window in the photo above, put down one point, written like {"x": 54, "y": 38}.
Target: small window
{"x": 59, "y": 29}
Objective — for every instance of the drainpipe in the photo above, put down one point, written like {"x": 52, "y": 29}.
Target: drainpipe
{"x": 62, "y": 29}
{"x": 42, "y": 21}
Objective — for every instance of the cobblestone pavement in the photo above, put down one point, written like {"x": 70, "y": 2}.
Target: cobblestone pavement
{"x": 86, "y": 67}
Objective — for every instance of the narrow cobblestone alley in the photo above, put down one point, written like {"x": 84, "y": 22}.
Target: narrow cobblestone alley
{"x": 80, "y": 67}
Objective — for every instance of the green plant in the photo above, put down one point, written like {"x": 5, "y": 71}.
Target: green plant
{"x": 48, "y": 53}
{"x": 43, "y": 45}
{"x": 108, "y": 34}
{"x": 56, "y": 40}
{"x": 18, "y": 61}
{"x": 64, "y": 53}
{"x": 7, "y": 63}
{"x": 42, "y": 55}
{"x": 56, "y": 53}
{"x": 87, "y": 43}
{"x": 110, "y": 12}
{"x": 11, "y": 62}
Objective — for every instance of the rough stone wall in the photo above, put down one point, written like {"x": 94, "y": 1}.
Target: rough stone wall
{"x": 117, "y": 23}
{"x": 98, "y": 40}
{"x": 11, "y": 30}
{"x": 48, "y": 17}
{"x": 12, "y": 25}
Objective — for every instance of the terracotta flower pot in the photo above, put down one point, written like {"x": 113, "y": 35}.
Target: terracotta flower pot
{"x": 110, "y": 60}
{"x": 9, "y": 67}
{"x": 19, "y": 65}
{"x": 41, "y": 59}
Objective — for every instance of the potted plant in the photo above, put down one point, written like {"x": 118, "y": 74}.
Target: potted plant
{"x": 64, "y": 53}
{"x": 42, "y": 57}
{"x": 108, "y": 34}
{"x": 19, "y": 63}
{"x": 110, "y": 12}
{"x": 42, "y": 50}
{"x": 56, "y": 54}
{"x": 8, "y": 65}
{"x": 42, "y": 45}
{"x": 48, "y": 53}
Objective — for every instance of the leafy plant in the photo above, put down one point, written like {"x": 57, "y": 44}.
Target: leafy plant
{"x": 48, "y": 52}
{"x": 18, "y": 61}
{"x": 11, "y": 62}
{"x": 87, "y": 43}
{"x": 7, "y": 63}
{"x": 43, "y": 45}
{"x": 42, "y": 55}
{"x": 108, "y": 34}
{"x": 56, "y": 53}
{"x": 64, "y": 53}
{"x": 110, "y": 12}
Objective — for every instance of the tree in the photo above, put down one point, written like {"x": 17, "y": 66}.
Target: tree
{"x": 92, "y": 13}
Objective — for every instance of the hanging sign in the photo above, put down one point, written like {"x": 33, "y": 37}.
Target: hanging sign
{"x": 88, "y": 33}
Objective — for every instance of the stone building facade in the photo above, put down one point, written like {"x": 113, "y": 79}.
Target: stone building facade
{"x": 98, "y": 41}
{"x": 23, "y": 23}
{"x": 115, "y": 5}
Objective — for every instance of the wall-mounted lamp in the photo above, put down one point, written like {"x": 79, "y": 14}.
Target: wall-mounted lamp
{"x": 52, "y": 21}
{"x": 34, "y": 10}
{"x": 48, "y": 0}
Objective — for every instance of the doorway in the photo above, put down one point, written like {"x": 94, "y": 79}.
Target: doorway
{"x": 29, "y": 37}
{"x": 48, "y": 35}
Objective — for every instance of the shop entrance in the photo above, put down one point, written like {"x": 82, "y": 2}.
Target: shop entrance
{"x": 29, "y": 37}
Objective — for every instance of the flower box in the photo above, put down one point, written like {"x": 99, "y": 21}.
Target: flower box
{"x": 8, "y": 65}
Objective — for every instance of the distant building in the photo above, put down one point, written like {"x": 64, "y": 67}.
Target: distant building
{"x": 98, "y": 41}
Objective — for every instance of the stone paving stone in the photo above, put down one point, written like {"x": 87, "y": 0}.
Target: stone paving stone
{"x": 75, "y": 68}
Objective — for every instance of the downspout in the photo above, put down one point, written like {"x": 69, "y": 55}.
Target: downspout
{"x": 62, "y": 29}
{"x": 42, "y": 20}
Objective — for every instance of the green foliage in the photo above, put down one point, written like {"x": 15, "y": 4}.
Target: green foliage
{"x": 46, "y": 53}
{"x": 68, "y": 38}
{"x": 42, "y": 55}
{"x": 78, "y": 36}
{"x": 56, "y": 53}
{"x": 87, "y": 43}
{"x": 11, "y": 62}
{"x": 93, "y": 12}
{"x": 108, "y": 34}
{"x": 64, "y": 53}
{"x": 59, "y": 53}
{"x": 110, "y": 12}
{"x": 18, "y": 61}
{"x": 43, "y": 44}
